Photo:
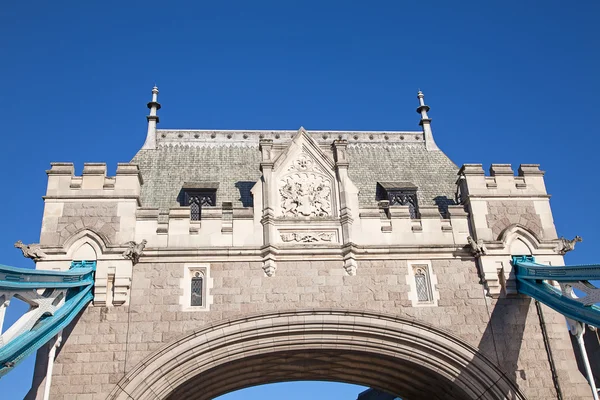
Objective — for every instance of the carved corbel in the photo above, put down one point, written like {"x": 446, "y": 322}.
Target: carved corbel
{"x": 350, "y": 265}
{"x": 269, "y": 266}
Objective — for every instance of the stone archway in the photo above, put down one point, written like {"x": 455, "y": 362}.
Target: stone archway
{"x": 398, "y": 355}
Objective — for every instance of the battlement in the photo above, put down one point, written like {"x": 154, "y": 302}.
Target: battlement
{"x": 240, "y": 226}
{"x": 501, "y": 182}
{"x": 219, "y": 226}
{"x": 93, "y": 182}
{"x": 394, "y": 226}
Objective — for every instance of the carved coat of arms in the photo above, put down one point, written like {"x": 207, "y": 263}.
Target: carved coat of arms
{"x": 305, "y": 193}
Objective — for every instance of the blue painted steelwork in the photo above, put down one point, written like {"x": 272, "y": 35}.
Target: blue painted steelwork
{"x": 532, "y": 280}
{"x": 77, "y": 282}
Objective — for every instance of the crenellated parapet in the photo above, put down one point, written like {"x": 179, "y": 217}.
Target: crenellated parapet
{"x": 94, "y": 201}
{"x": 239, "y": 227}
{"x": 395, "y": 226}
{"x": 509, "y": 215}
{"x": 220, "y": 226}
{"x": 93, "y": 182}
{"x": 529, "y": 182}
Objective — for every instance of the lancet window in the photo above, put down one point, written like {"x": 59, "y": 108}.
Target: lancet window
{"x": 422, "y": 284}
{"x": 197, "y": 289}
{"x": 196, "y": 284}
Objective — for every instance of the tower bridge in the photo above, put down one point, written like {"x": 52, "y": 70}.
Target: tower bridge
{"x": 217, "y": 260}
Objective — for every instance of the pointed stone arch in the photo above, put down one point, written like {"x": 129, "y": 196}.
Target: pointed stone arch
{"x": 85, "y": 237}
{"x": 519, "y": 240}
{"x": 398, "y": 355}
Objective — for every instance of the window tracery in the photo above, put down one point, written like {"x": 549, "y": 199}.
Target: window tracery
{"x": 196, "y": 199}
{"x": 399, "y": 194}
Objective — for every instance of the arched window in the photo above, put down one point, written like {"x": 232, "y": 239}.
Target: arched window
{"x": 197, "y": 289}
{"x": 197, "y": 285}
{"x": 422, "y": 284}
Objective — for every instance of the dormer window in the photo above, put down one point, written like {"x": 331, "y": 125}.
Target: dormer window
{"x": 399, "y": 194}
{"x": 198, "y": 195}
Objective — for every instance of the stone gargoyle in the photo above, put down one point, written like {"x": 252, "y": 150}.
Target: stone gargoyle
{"x": 134, "y": 250}
{"x": 566, "y": 245}
{"x": 477, "y": 247}
{"x": 32, "y": 250}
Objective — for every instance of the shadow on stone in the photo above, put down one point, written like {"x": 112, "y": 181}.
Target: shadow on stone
{"x": 501, "y": 341}
{"x": 41, "y": 363}
{"x": 245, "y": 196}
{"x": 442, "y": 202}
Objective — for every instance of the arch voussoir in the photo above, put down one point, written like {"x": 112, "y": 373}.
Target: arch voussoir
{"x": 399, "y": 355}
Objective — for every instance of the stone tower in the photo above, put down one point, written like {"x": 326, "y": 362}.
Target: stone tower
{"x": 226, "y": 259}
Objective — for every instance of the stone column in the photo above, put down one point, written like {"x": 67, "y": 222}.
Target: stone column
{"x": 268, "y": 213}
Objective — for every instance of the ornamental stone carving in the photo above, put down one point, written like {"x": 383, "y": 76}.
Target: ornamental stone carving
{"x": 134, "y": 250}
{"x": 566, "y": 245}
{"x": 477, "y": 248}
{"x": 308, "y": 237}
{"x": 305, "y": 194}
{"x": 304, "y": 163}
{"x": 32, "y": 251}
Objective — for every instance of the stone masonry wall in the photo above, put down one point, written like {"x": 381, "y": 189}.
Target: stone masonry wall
{"x": 105, "y": 343}
{"x": 100, "y": 217}
{"x": 502, "y": 214}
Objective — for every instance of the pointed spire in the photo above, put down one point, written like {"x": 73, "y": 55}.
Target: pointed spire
{"x": 153, "y": 119}
{"x": 422, "y": 107}
{"x": 425, "y": 122}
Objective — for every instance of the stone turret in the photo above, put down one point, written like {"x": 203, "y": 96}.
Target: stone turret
{"x": 509, "y": 216}
{"x": 92, "y": 217}
{"x": 425, "y": 122}
{"x": 153, "y": 119}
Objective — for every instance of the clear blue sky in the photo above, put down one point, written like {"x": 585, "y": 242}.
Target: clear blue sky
{"x": 507, "y": 82}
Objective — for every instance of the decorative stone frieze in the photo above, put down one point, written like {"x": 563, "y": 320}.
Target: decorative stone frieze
{"x": 308, "y": 237}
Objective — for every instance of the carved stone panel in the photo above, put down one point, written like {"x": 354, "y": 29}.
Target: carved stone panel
{"x": 305, "y": 194}
{"x": 309, "y": 236}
